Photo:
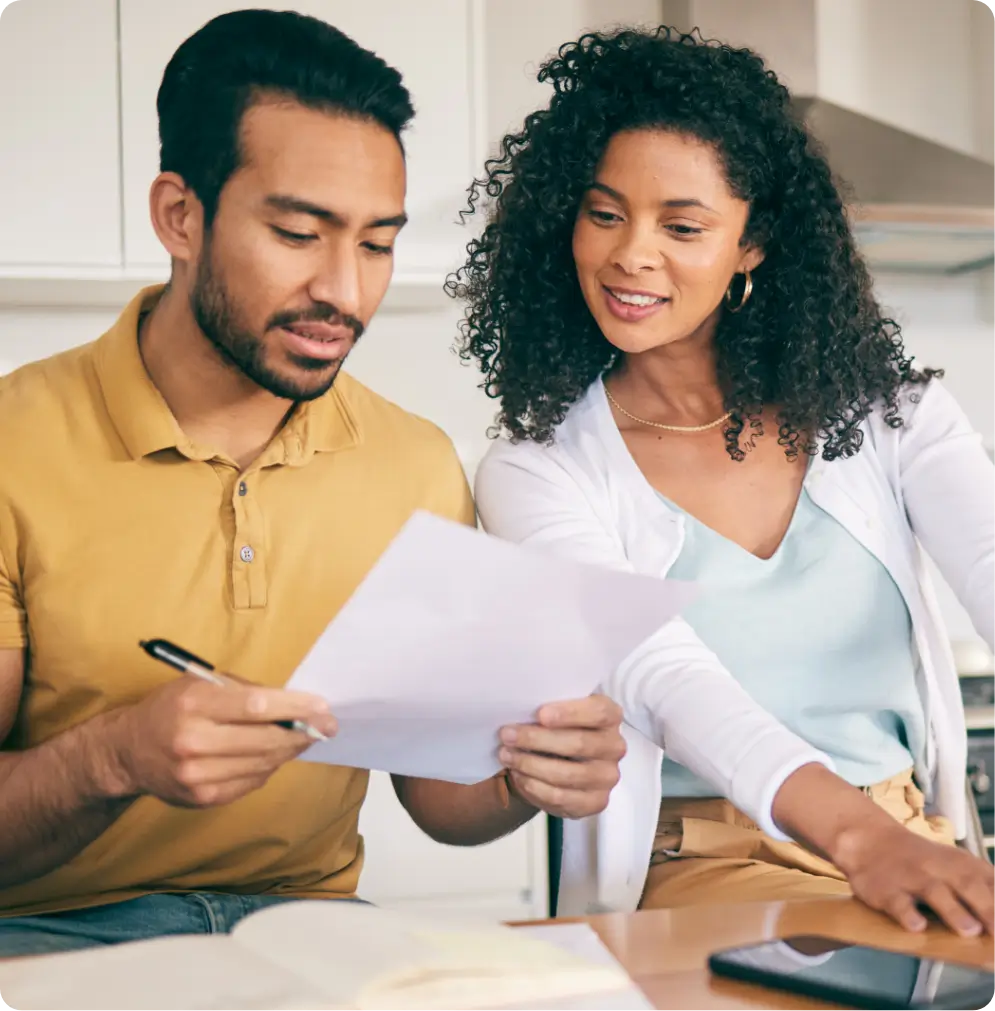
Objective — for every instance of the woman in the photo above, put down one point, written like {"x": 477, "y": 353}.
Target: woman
{"x": 696, "y": 382}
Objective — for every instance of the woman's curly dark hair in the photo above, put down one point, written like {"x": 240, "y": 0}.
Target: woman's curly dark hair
{"x": 812, "y": 339}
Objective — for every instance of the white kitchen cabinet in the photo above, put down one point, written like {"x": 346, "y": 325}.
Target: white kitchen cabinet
{"x": 60, "y": 208}
{"x": 503, "y": 880}
{"x": 428, "y": 41}
{"x": 519, "y": 35}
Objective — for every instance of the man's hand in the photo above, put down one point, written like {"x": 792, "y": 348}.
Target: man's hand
{"x": 566, "y": 763}
{"x": 894, "y": 870}
{"x": 195, "y": 744}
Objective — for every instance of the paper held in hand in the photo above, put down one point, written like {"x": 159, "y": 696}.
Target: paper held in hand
{"x": 454, "y": 634}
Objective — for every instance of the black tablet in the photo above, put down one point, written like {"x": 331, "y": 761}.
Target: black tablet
{"x": 857, "y": 976}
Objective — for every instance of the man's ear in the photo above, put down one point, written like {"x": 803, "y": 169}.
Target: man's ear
{"x": 177, "y": 217}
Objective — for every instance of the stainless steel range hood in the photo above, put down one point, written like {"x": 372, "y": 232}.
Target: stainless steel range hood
{"x": 917, "y": 204}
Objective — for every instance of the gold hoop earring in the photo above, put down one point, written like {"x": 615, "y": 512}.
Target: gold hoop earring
{"x": 747, "y": 291}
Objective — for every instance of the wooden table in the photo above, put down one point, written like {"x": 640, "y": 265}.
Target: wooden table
{"x": 666, "y": 951}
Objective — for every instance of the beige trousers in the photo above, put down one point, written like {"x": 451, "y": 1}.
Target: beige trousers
{"x": 707, "y": 851}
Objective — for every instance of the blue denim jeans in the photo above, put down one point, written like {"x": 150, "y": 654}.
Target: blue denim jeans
{"x": 132, "y": 920}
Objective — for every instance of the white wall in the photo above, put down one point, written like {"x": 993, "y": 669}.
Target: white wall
{"x": 947, "y": 323}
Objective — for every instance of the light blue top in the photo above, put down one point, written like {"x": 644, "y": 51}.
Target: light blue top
{"x": 818, "y": 634}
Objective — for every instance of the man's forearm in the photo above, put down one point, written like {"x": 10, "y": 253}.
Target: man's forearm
{"x": 55, "y": 799}
{"x": 462, "y": 815}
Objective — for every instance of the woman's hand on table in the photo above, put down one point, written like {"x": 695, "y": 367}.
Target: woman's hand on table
{"x": 897, "y": 871}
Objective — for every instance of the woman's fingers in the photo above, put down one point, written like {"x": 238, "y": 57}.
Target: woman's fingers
{"x": 901, "y": 907}
{"x": 941, "y": 899}
{"x": 978, "y": 894}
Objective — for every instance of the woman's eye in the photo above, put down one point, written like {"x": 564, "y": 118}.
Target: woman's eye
{"x": 685, "y": 230}
{"x": 604, "y": 217}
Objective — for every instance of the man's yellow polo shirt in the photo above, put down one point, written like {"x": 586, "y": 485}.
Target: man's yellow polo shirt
{"x": 114, "y": 527}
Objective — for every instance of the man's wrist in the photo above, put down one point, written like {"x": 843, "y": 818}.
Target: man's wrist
{"x": 511, "y": 799}
{"x": 94, "y": 756}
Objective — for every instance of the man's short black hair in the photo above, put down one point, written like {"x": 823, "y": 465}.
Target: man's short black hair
{"x": 244, "y": 56}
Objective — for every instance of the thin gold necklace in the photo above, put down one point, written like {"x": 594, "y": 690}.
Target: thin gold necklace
{"x": 669, "y": 428}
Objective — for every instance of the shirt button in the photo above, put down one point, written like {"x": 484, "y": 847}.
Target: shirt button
{"x": 243, "y": 488}
{"x": 246, "y": 554}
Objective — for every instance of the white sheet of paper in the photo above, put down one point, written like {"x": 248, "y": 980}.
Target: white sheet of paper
{"x": 454, "y": 634}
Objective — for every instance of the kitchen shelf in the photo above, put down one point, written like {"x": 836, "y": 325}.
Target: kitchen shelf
{"x": 979, "y": 717}
{"x": 43, "y": 286}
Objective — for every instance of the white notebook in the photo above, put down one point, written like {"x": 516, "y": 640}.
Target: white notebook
{"x": 329, "y": 954}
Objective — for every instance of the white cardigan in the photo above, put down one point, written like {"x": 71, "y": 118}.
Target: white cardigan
{"x": 928, "y": 483}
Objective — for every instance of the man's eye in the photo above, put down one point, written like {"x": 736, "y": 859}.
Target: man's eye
{"x": 378, "y": 250}
{"x": 293, "y": 236}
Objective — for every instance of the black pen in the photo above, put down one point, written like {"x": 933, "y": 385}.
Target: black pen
{"x": 181, "y": 660}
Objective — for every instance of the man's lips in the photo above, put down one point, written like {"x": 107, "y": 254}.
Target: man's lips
{"x": 320, "y": 331}
{"x": 313, "y": 339}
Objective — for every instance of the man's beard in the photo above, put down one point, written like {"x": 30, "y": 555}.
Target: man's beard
{"x": 217, "y": 316}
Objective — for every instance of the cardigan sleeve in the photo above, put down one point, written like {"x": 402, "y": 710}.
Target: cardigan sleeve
{"x": 673, "y": 689}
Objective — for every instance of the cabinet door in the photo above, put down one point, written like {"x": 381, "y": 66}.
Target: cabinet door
{"x": 59, "y": 178}
{"x": 428, "y": 41}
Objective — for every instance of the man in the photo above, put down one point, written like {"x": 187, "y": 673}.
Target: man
{"x": 204, "y": 473}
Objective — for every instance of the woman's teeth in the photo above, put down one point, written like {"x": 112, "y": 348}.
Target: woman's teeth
{"x": 629, "y": 299}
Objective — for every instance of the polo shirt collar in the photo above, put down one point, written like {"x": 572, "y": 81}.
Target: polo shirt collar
{"x": 136, "y": 407}
{"x": 146, "y": 425}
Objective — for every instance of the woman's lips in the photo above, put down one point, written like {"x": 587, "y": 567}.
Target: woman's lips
{"x": 632, "y": 313}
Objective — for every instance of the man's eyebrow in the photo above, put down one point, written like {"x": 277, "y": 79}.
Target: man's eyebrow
{"x": 397, "y": 221}
{"x": 296, "y": 205}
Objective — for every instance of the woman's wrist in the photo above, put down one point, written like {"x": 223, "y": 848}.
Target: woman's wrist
{"x": 856, "y": 839}
{"x": 830, "y": 817}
